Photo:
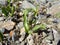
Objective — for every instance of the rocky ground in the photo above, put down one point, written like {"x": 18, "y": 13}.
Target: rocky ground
{"x": 13, "y": 29}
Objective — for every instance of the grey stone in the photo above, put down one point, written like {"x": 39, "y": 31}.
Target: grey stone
{"x": 6, "y": 35}
{"x": 20, "y": 25}
{"x": 44, "y": 34}
{"x": 2, "y": 2}
{"x": 2, "y": 18}
{"x": 30, "y": 40}
{"x": 2, "y": 30}
{"x": 47, "y": 40}
{"x": 27, "y": 5}
{"x": 56, "y": 36}
{"x": 20, "y": 13}
{"x": 58, "y": 20}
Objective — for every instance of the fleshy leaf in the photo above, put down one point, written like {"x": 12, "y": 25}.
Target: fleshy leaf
{"x": 1, "y": 36}
{"x": 25, "y": 20}
{"x": 41, "y": 26}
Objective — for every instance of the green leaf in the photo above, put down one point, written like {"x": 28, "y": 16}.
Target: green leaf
{"x": 25, "y": 20}
{"x": 1, "y": 36}
{"x": 35, "y": 27}
{"x": 4, "y": 10}
{"x": 8, "y": 8}
{"x": 41, "y": 26}
{"x": 12, "y": 10}
{"x": 8, "y": 1}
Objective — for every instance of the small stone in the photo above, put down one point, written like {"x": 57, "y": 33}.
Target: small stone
{"x": 20, "y": 14}
{"x": 17, "y": 42}
{"x": 22, "y": 33}
{"x": 55, "y": 21}
{"x": 6, "y": 35}
{"x": 30, "y": 40}
{"x": 21, "y": 39}
{"x": 56, "y": 36}
{"x": 20, "y": 25}
{"x": 44, "y": 34}
{"x": 2, "y": 18}
{"x": 2, "y": 30}
{"x": 30, "y": 13}
{"x": 58, "y": 20}
{"x": 7, "y": 25}
{"x": 20, "y": 2}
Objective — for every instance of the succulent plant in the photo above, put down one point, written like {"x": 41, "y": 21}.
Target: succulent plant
{"x": 27, "y": 25}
